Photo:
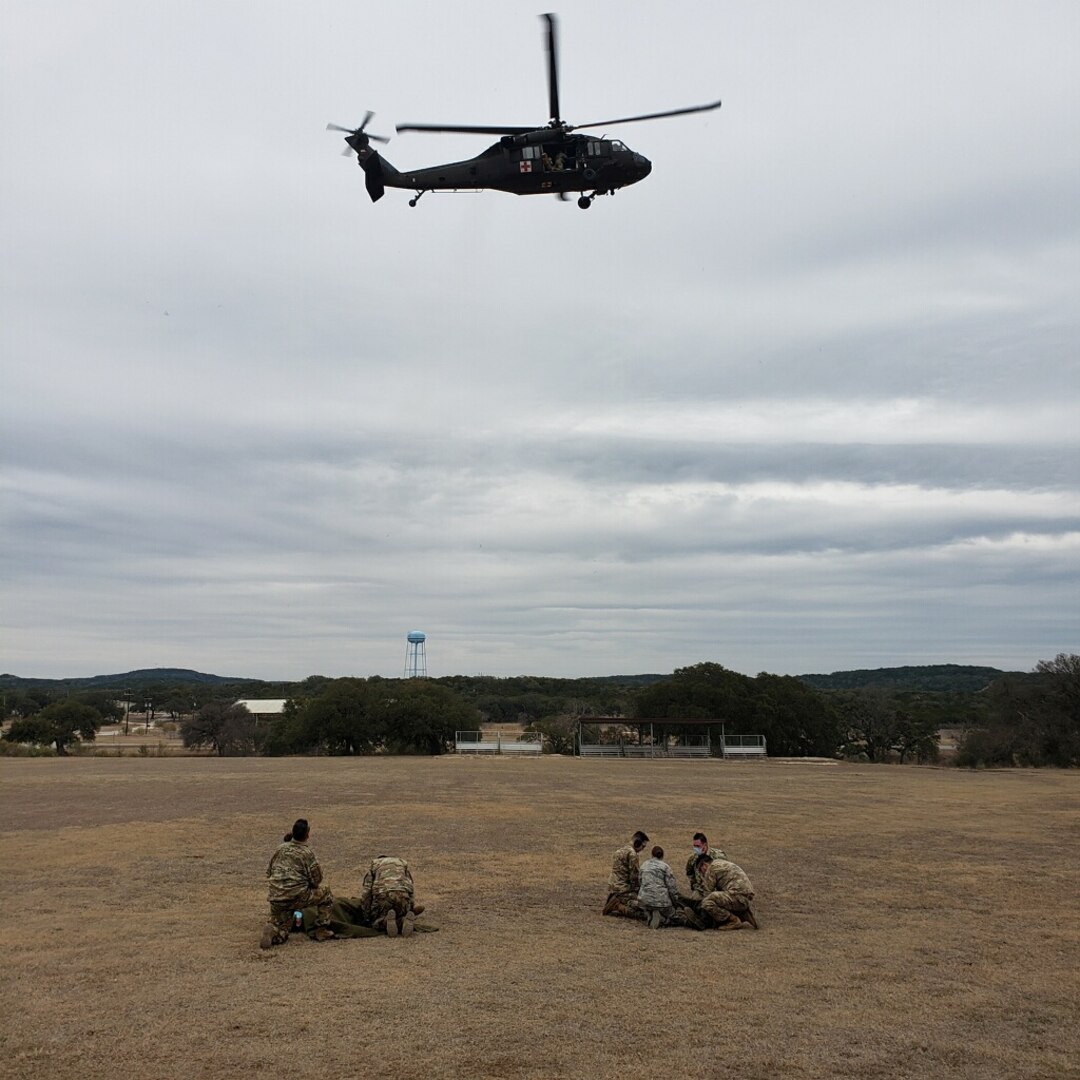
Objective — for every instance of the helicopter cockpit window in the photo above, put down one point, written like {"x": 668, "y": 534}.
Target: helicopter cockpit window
{"x": 616, "y": 145}
{"x": 530, "y": 153}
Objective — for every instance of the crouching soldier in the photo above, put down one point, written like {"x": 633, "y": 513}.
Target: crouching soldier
{"x": 625, "y": 880}
{"x": 387, "y": 899}
{"x": 659, "y": 895}
{"x": 295, "y": 880}
{"x": 728, "y": 892}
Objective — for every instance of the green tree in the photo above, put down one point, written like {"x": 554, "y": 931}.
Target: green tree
{"x": 224, "y": 727}
{"x": 702, "y": 691}
{"x": 419, "y": 715}
{"x": 558, "y": 732}
{"x": 63, "y": 723}
{"x": 1033, "y": 720}
{"x": 795, "y": 719}
{"x": 104, "y": 701}
{"x": 340, "y": 719}
{"x": 871, "y": 723}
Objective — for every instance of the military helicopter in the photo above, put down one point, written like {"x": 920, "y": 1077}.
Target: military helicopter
{"x": 548, "y": 160}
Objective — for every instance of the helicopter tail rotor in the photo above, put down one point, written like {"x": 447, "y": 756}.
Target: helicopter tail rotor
{"x": 359, "y": 142}
{"x": 358, "y": 138}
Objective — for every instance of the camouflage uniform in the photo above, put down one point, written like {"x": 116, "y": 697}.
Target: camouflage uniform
{"x": 697, "y": 866}
{"x": 388, "y": 888}
{"x": 623, "y": 885}
{"x": 728, "y": 892}
{"x": 659, "y": 892}
{"x": 295, "y": 878}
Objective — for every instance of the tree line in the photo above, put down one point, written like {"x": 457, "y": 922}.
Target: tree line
{"x": 1031, "y": 719}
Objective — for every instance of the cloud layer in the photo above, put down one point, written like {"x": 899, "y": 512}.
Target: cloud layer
{"x": 805, "y": 399}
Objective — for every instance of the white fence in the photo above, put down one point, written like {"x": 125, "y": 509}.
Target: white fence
{"x": 498, "y": 742}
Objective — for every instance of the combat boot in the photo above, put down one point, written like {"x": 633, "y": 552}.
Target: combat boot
{"x": 732, "y": 922}
{"x": 391, "y": 924}
{"x": 408, "y": 924}
{"x": 324, "y": 933}
{"x": 748, "y": 916}
{"x": 417, "y": 909}
{"x": 268, "y": 936}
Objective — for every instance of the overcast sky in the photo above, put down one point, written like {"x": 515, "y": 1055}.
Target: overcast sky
{"x": 805, "y": 399}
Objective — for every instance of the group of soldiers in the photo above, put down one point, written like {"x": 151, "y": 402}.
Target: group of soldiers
{"x": 720, "y": 891}
{"x": 386, "y": 902}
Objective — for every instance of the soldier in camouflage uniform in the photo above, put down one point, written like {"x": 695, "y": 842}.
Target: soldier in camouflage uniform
{"x": 295, "y": 880}
{"x": 387, "y": 897}
{"x": 659, "y": 895}
{"x": 625, "y": 880}
{"x": 728, "y": 892}
{"x": 698, "y": 863}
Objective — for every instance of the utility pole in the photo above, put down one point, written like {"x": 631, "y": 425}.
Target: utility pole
{"x": 127, "y": 708}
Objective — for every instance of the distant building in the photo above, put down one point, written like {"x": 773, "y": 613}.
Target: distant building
{"x": 263, "y": 708}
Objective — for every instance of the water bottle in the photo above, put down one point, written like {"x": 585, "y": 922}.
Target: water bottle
{"x": 298, "y": 920}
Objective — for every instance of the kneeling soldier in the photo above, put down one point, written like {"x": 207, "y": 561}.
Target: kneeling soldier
{"x": 295, "y": 883}
{"x": 625, "y": 880}
{"x": 387, "y": 897}
{"x": 728, "y": 892}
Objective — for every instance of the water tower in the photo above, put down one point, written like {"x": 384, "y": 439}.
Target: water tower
{"x": 415, "y": 656}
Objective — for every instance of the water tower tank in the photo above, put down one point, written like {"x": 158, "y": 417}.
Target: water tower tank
{"x": 416, "y": 636}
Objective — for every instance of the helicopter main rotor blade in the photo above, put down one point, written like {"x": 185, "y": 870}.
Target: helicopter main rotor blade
{"x": 553, "y": 69}
{"x": 466, "y": 129}
{"x": 647, "y": 116}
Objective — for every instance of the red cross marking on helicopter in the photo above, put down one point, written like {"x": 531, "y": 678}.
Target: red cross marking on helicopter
{"x": 525, "y": 166}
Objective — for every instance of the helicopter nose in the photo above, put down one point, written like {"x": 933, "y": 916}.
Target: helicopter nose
{"x": 644, "y": 165}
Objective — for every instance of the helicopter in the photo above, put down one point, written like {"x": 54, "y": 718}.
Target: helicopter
{"x": 548, "y": 160}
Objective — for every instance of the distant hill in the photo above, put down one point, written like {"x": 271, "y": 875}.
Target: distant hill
{"x": 943, "y": 678}
{"x": 127, "y": 680}
{"x": 630, "y": 680}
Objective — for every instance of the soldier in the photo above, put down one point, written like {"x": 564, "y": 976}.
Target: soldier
{"x": 698, "y": 863}
{"x": 659, "y": 895}
{"x": 625, "y": 880}
{"x": 295, "y": 883}
{"x": 728, "y": 892}
{"x": 387, "y": 897}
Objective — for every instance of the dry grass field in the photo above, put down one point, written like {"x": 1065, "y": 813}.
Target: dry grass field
{"x": 915, "y": 922}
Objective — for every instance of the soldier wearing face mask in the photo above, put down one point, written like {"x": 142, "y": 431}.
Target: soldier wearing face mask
{"x": 697, "y": 866}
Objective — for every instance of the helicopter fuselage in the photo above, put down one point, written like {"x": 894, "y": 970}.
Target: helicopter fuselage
{"x": 564, "y": 163}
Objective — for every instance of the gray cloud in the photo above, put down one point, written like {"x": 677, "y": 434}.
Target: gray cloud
{"x": 806, "y": 399}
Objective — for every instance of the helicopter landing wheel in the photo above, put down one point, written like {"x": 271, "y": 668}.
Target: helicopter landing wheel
{"x": 412, "y": 202}
{"x": 584, "y": 202}
{"x": 416, "y": 198}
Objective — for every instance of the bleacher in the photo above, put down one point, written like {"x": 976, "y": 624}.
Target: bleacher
{"x": 632, "y": 750}
{"x": 744, "y": 746}
{"x": 499, "y": 741}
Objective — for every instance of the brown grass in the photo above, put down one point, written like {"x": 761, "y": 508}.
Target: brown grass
{"x": 915, "y": 922}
